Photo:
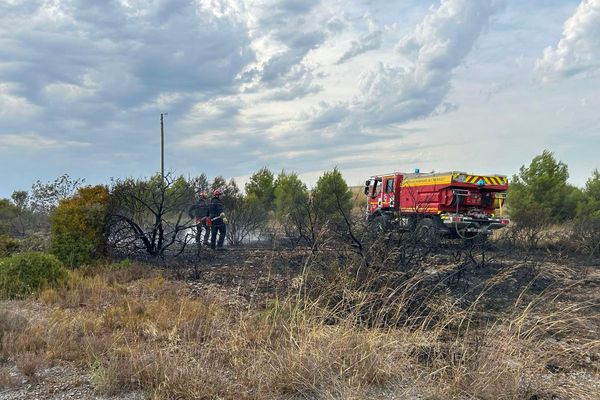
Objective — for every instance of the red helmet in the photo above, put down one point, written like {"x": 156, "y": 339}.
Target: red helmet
{"x": 217, "y": 192}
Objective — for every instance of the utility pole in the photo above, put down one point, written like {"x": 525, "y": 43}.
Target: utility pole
{"x": 162, "y": 146}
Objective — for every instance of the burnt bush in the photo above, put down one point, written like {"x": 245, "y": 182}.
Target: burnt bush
{"x": 585, "y": 236}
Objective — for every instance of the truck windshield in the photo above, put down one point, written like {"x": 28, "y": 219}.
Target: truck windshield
{"x": 389, "y": 186}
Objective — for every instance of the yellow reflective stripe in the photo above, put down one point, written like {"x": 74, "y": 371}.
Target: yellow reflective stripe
{"x": 425, "y": 181}
{"x": 419, "y": 209}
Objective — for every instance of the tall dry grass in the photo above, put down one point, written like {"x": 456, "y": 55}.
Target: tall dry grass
{"x": 335, "y": 336}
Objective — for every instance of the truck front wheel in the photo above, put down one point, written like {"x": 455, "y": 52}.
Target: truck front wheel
{"x": 378, "y": 225}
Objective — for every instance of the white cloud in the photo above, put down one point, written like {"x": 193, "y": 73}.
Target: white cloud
{"x": 67, "y": 92}
{"x": 36, "y": 142}
{"x": 368, "y": 42}
{"x": 210, "y": 140}
{"x": 14, "y": 106}
{"x": 579, "y": 48}
{"x": 417, "y": 83}
{"x": 439, "y": 44}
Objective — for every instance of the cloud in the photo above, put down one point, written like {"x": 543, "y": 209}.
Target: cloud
{"x": 438, "y": 45}
{"x": 78, "y": 72}
{"x": 122, "y": 52}
{"x": 295, "y": 89}
{"x": 284, "y": 33}
{"x": 14, "y": 106}
{"x": 413, "y": 84}
{"x": 35, "y": 142}
{"x": 209, "y": 140}
{"x": 368, "y": 42}
{"x": 417, "y": 84}
{"x": 578, "y": 51}
{"x": 294, "y": 84}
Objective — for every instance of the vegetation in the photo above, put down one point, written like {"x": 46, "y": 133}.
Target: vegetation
{"x": 246, "y": 214}
{"x": 354, "y": 315}
{"x": 7, "y": 215}
{"x": 292, "y": 205}
{"x": 540, "y": 196}
{"x": 261, "y": 186}
{"x": 542, "y": 190}
{"x": 8, "y": 246}
{"x": 590, "y": 203}
{"x": 149, "y": 215}
{"x": 78, "y": 226}
{"x": 332, "y": 198}
{"x": 510, "y": 333}
{"x": 25, "y": 273}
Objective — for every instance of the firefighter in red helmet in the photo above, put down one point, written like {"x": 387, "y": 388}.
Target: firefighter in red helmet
{"x": 199, "y": 211}
{"x": 218, "y": 220}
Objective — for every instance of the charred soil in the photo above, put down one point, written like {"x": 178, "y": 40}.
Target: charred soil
{"x": 296, "y": 323}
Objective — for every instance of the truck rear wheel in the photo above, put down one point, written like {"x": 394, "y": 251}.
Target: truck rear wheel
{"x": 428, "y": 233}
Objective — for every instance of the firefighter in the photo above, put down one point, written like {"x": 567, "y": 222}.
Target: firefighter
{"x": 217, "y": 220}
{"x": 199, "y": 211}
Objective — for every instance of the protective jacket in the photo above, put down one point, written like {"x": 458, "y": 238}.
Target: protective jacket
{"x": 215, "y": 210}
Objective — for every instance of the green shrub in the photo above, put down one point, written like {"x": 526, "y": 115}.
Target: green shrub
{"x": 542, "y": 190}
{"x": 332, "y": 198}
{"x": 262, "y": 186}
{"x": 77, "y": 233}
{"x": 25, "y": 273}
{"x": 8, "y": 246}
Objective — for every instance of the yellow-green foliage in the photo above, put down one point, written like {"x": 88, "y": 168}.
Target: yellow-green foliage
{"x": 78, "y": 234}
{"x": 26, "y": 273}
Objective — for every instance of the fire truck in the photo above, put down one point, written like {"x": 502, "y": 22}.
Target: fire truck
{"x": 454, "y": 204}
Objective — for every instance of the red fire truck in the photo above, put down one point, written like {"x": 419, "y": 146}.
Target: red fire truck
{"x": 450, "y": 203}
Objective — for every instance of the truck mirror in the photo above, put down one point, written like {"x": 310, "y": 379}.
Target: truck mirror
{"x": 367, "y": 186}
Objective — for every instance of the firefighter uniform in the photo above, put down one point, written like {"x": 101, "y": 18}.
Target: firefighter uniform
{"x": 218, "y": 225}
{"x": 200, "y": 211}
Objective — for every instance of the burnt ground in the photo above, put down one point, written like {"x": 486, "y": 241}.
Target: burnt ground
{"x": 246, "y": 278}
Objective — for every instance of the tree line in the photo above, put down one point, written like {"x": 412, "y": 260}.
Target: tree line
{"x": 79, "y": 223}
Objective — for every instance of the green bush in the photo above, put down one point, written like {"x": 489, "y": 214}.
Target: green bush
{"x": 292, "y": 205}
{"x": 541, "y": 189}
{"x": 78, "y": 226}
{"x": 262, "y": 186}
{"x": 589, "y": 206}
{"x": 332, "y": 198}
{"x": 25, "y": 273}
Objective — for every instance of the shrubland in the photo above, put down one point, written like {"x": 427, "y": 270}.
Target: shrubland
{"x": 348, "y": 314}
{"x": 436, "y": 325}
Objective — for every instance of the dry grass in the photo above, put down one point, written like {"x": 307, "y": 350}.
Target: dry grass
{"x": 138, "y": 330}
{"x": 29, "y": 364}
{"x": 7, "y": 381}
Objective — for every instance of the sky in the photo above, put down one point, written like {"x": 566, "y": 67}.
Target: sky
{"x": 299, "y": 85}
